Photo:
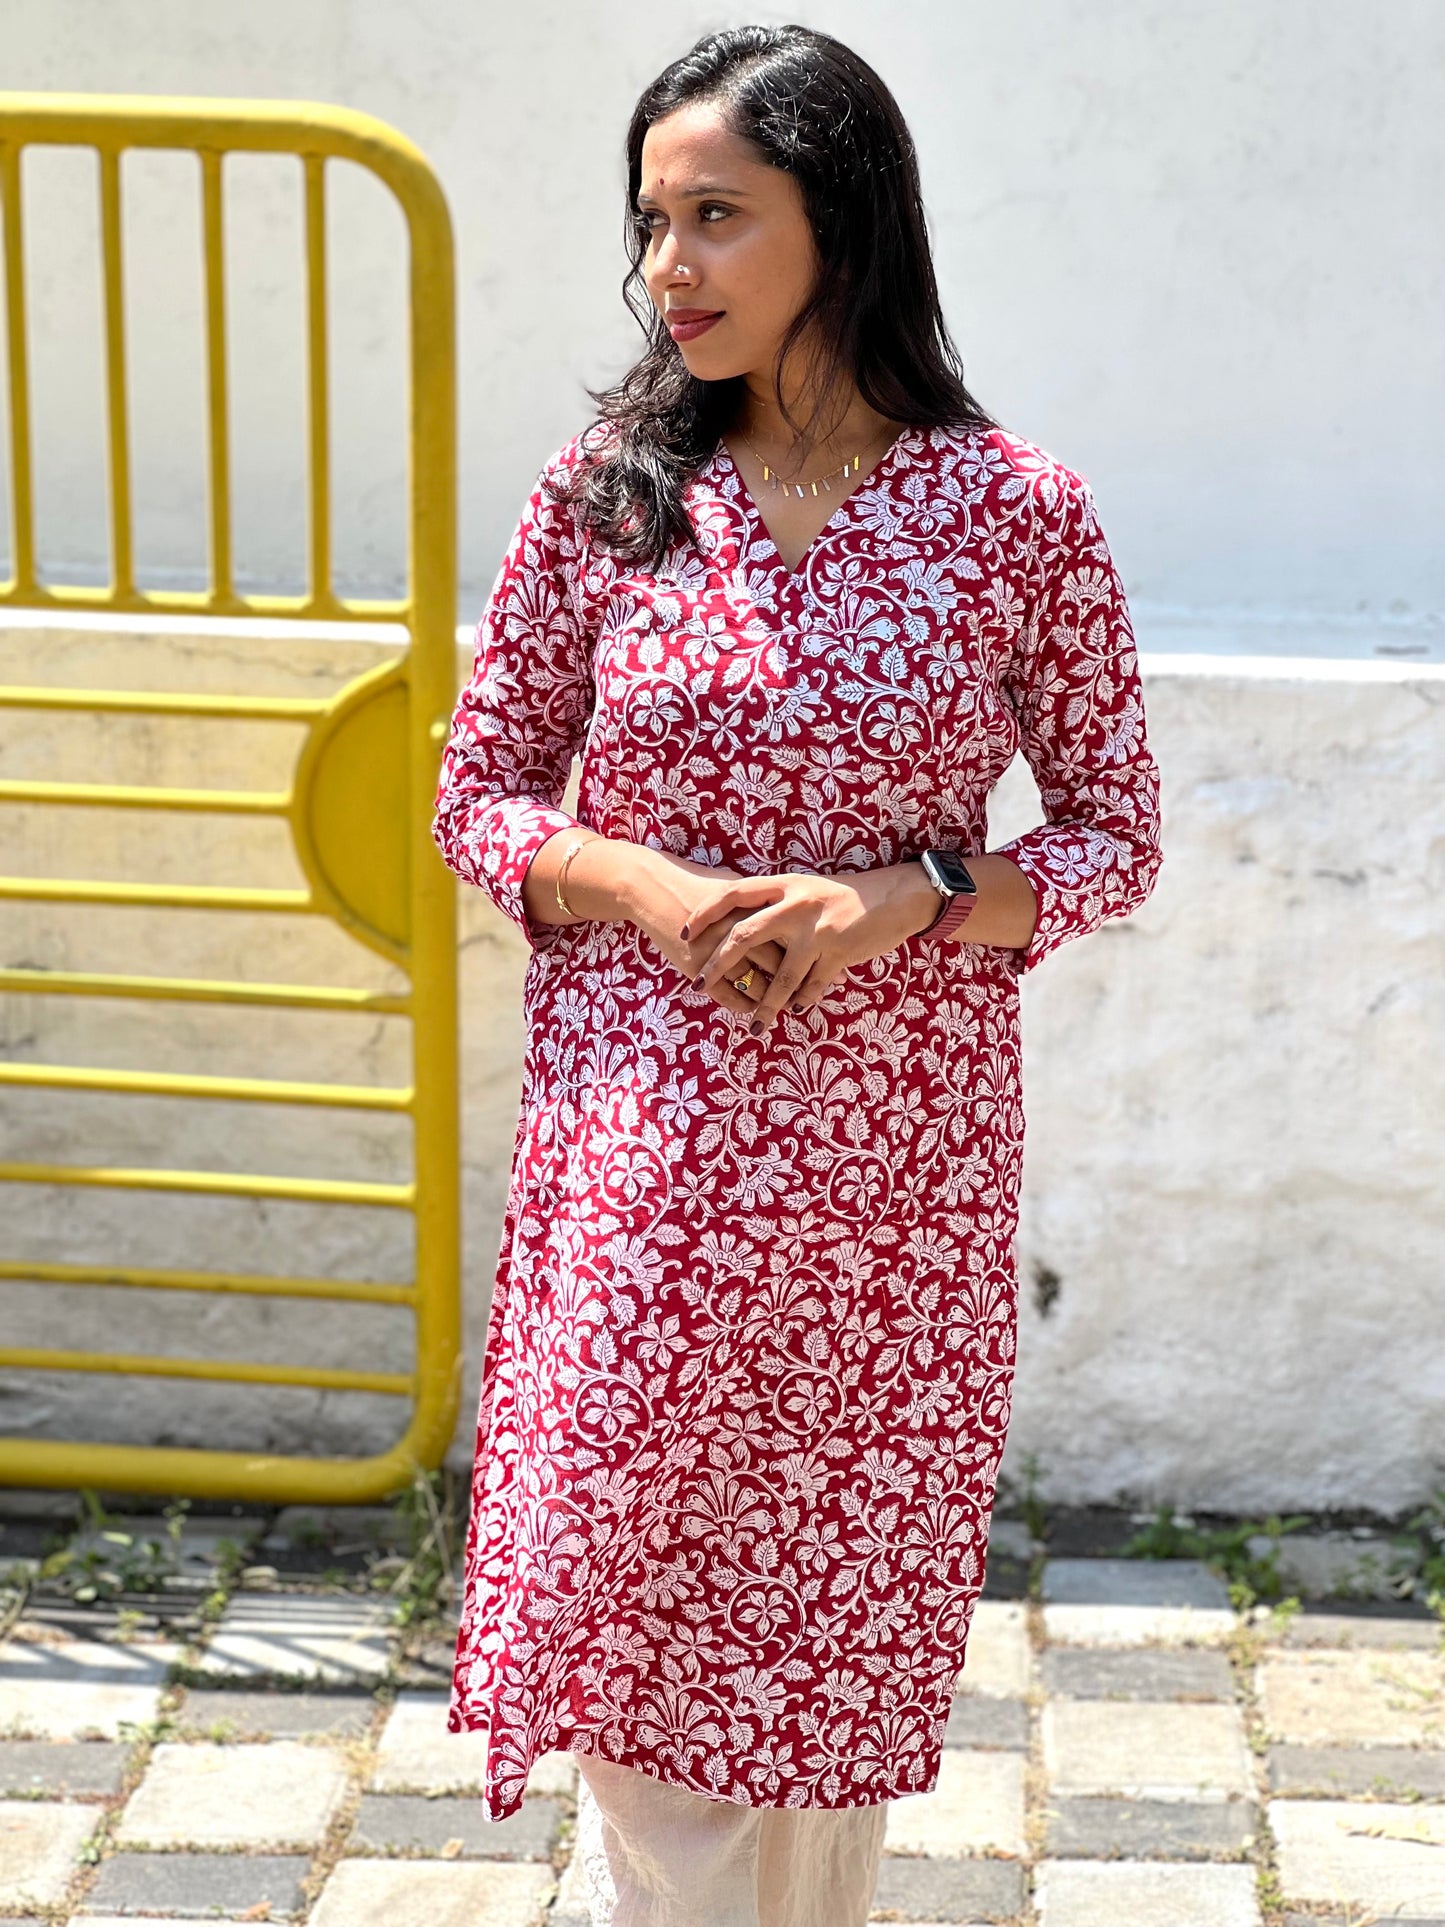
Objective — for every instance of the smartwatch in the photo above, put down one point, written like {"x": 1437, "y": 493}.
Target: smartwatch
{"x": 947, "y": 873}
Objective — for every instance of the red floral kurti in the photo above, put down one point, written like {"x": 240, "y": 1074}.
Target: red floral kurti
{"x": 751, "y": 1347}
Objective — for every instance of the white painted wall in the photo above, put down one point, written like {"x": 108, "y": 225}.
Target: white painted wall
{"x": 1236, "y": 1118}
{"x": 1192, "y": 248}
{"x": 1236, "y": 1113}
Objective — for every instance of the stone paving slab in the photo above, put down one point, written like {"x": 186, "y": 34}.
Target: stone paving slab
{"x": 1009, "y": 1539}
{"x": 39, "y": 1842}
{"x": 1386, "y": 1772}
{"x": 1125, "y": 1893}
{"x": 951, "y": 1890}
{"x": 327, "y": 1639}
{"x": 128, "y": 1619}
{"x": 997, "y": 1659}
{"x": 417, "y": 1754}
{"x": 1102, "y": 1829}
{"x": 430, "y": 1893}
{"x": 572, "y": 1907}
{"x": 1068, "y": 1625}
{"x": 64, "y": 1689}
{"x": 976, "y": 1721}
{"x": 1005, "y": 1579}
{"x": 1145, "y": 1751}
{"x": 1137, "y": 1673}
{"x": 412, "y": 1823}
{"x": 1422, "y": 1633}
{"x": 1134, "y": 1602}
{"x": 279, "y": 1795}
{"x": 1321, "y": 1920}
{"x": 1133, "y": 1582}
{"x": 430, "y": 1666}
{"x": 61, "y": 1767}
{"x": 1389, "y": 1857}
{"x": 976, "y": 1807}
{"x": 280, "y": 1716}
{"x": 198, "y": 1886}
{"x": 1318, "y": 1565}
{"x": 1354, "y": 1698}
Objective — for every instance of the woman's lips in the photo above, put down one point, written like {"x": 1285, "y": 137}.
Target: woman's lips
{"x": 688, "y": 328}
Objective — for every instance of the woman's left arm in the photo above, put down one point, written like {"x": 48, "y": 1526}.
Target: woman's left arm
{"x": 1074, "y": 684}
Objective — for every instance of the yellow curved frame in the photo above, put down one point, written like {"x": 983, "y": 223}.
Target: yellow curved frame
{"x": 368, "y": 770}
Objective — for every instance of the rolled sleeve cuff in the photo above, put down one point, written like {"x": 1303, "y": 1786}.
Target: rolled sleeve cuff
{"x": 1062, "y": 913}
{"x": 500, "y": 853}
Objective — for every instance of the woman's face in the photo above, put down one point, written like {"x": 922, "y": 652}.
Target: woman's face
{"x": 728, "y": 237}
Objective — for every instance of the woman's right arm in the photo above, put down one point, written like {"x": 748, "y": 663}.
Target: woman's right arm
{"x": 521, "y": 717}
{"x": 518, "y": 723}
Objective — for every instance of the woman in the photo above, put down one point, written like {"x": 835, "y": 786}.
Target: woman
{"x": 797, "y": 600}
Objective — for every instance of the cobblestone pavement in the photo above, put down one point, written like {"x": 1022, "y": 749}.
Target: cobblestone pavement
{"x": 1125, "y": 1750}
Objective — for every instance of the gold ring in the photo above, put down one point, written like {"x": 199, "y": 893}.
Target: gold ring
{"x": 741, "y": 983}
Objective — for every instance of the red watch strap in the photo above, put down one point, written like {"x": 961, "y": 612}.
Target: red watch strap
{"x": 956, "y": 911}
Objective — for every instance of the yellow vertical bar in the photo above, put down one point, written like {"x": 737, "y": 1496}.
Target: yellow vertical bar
{"x": 122, "y": 561}
{"x": 432, "y": 564}
{"x": 21, "y": 479}
{"x": 318, "y": 390}
{"x": 221, "y": 567}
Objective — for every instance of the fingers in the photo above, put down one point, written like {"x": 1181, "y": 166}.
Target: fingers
{"x": 768, "y": 991}
{"x": 765, "y": 959}
{"x": 746, "y": 893}
{"x": 816, "y": 984}
{"x": 725, "y": 953}
{"x": 779, "y": 992}
{"x": 732, "y": 957}
{"x": 742, "y": 1003}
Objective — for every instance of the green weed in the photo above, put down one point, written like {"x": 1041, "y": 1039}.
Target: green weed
{"x": 1250, "y": 1574}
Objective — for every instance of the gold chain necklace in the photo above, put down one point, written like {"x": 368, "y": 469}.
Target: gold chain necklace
{"x": 850, "y": 467}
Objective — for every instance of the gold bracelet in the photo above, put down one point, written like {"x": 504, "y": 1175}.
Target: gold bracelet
{"x": 572, "y": 848}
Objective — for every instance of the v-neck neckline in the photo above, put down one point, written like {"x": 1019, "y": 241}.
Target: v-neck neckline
{"x": 876, "y": 474}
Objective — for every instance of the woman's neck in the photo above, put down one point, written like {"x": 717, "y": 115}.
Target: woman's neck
{"x": 851, "y": 428}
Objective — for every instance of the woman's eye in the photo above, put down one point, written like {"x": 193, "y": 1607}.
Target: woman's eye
{"x": 648, "y": 218}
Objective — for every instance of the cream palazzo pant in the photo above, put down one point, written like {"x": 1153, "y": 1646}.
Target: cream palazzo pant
{"x": 655, "y": 1855}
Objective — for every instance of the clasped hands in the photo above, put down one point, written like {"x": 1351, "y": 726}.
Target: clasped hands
{"x": 803, "y": 931}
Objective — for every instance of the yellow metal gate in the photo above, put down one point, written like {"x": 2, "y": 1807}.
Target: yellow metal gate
{"x": 359, "y": 803}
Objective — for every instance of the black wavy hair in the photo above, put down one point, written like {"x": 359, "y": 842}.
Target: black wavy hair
{"x": 810, "y": 106}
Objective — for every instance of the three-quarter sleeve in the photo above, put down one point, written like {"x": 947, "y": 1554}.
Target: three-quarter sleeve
{"x": 1074, "y": 685}
{"x": 523, "y": 714}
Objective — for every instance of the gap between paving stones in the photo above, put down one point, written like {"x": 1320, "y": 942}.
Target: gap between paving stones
{"x": 1243, "y": 1651}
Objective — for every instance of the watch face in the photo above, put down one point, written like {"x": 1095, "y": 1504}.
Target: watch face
{"x": 948, "y": 872}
